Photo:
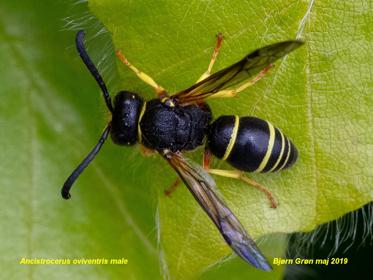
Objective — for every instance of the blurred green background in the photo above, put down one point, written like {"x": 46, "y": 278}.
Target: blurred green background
{"x": 52, "y": 113}
{"x": 51, "y": 116}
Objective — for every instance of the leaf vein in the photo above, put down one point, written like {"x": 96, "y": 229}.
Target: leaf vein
{"x": 123, "y": 211}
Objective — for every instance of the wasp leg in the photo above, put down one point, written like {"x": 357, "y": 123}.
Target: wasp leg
{"x": 173, "y": 187}
{"x": 213, "y": 58}
{"x": 206, "y": 158}
{"x": 146, "y": 152}
{"x": 236, "y": 174}
{"x": 161, "y": 92}
{"x": 233, "y": 92}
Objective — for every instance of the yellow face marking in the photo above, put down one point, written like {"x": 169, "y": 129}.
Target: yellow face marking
{"x": 281, "y": 152}
{"x": 139, "y": 134}
{"x": 271, "y": 141}
{"x": 233, "y": 138}
{"x": 287, "y": 155}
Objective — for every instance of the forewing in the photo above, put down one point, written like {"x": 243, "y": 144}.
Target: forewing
{"x": 233, "y": 75}
{"x": 202, "y": 186}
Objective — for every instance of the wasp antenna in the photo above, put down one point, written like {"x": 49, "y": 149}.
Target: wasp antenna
{"x": 92, "y": 68}
{"x": 65, "y": 191}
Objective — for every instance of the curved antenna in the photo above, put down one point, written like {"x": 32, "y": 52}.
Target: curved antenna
{"x": 79, "y": 40}
{"x": 65, "y": 191}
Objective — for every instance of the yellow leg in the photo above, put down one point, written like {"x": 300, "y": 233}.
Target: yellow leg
{"x": 236, "y": 174}
{"x": 161, "y": 92}
{"x": 233, "y": 92}
{"x": 213, "y": 58}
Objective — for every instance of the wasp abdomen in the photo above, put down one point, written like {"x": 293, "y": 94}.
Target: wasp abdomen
{"x": 250, "y": 144}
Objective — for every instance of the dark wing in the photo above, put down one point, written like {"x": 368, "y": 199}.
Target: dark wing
{"x": 242, "y": 70}
{"x": 202, "y": 186}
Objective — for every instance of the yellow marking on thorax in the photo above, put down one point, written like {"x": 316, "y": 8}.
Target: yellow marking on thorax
{"x": 169, "y": 101}
{"x": 233, "y": 138}
{"x": 271, "y": 142}
{"x": 281, "y": 152}
{"x": 139, "y": 134}
{"x": 287, "y": 156}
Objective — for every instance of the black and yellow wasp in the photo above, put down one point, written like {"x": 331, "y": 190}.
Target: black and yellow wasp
{"x": 171, "y": 124}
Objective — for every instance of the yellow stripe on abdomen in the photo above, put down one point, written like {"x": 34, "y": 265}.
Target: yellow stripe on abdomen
{"x": 287, "y": 156}
{"x": 271, "y": 142}
{"x": 233, "y": 138}
{"x": 281, "y": 152}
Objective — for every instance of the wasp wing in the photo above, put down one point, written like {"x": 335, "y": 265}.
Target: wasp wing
{"x": 240, "y": 71}
{"x": 202, "y": 186}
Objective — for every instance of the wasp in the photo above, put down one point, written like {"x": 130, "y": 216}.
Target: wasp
{"x": 172, "y": 124}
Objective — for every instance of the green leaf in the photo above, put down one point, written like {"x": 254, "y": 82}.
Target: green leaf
{"x": 51, "y": 116}
{"x": 52, "y": 113}
{"x": 318, "y": 95}
{"x": 236, "y": 269}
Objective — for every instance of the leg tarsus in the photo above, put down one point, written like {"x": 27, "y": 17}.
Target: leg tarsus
{"x": 213, "y": 58}
{"x": 161, "y": 92}
{"x": 241, "y": 176}
{"x": 261, "y": 188}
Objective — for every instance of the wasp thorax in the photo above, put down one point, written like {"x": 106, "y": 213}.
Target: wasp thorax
{"x": 127, "y": 107}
